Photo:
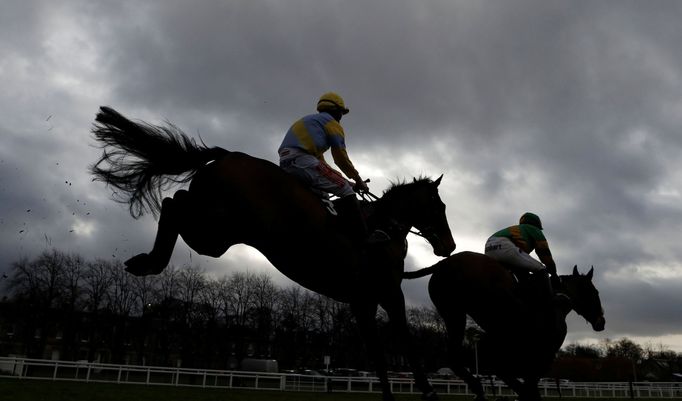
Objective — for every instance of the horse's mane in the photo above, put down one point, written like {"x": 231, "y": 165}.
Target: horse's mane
{"x": 399, "y": 187}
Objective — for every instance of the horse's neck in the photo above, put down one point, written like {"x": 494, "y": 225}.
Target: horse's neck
{"x": 385, "y": 216}
{"x": 560, "y": 335}
{"x": 560, "y": 327}
{"x": 566, "y": 279}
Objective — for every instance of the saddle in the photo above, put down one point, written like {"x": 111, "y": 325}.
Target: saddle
{"x": 345, "y": 216}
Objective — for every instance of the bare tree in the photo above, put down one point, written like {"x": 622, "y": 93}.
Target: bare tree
{"x": 74, "y": 270}
{"x": 424, "y": 318}
{"x": 39, "y": 280}
{"x": 296, "y": 306}
{"x": 39, "y": 283}
{"x": 325, "y": 309}
{"x": 169, "y": 285}
{"x": 659, "y": 351}
{"x": 144, "y": 289}
{"x": 238, "y": 296}
{"x": 24, "y": 282}
{"x": 120, "y": 297}
{"x": 623, "y": 348}
{"x": 582, "y": 351}
{"x": 212, "y": 301}
{"x": 263, "y": 302}
{"x": 96, "y": 282}
{"x": 191, "y": 283}
{"x": 72, "y": 298}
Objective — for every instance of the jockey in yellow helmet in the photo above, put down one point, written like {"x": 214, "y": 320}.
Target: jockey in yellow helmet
{"x": 302, "y": 154}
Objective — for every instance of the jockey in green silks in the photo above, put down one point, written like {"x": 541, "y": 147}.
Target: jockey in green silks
{"x": 512, "y": 246}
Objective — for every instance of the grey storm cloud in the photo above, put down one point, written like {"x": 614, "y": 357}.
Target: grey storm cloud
{"x": 569, "y": 109}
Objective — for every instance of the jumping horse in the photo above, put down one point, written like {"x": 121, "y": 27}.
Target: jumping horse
{"x": 523, "y": 341}
{"x": 235, "y": 198}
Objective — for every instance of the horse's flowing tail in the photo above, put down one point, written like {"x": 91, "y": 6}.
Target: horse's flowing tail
{"x": 422, "y": 272}
{"x": 142, "y": 160}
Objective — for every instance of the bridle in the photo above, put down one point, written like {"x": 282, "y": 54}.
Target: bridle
{"x": 424, "y": 233}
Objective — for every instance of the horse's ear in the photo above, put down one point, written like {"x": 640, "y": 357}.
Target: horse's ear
{"x": 575, "y": 270}
{"x": 590, "y": 273}
{"x": 437, "y": 182}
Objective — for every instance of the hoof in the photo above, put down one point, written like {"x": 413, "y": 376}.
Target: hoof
{"x": 142, "y": 265}
{"x": 387, "y": 397}
{"x": 430, "y": 396}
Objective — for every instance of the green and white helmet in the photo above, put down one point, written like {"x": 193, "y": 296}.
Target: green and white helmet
{"x": 532, "y": 219}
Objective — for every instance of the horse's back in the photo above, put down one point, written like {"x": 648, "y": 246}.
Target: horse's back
{"x": 469, "y": 272}
{"x": 257, "y": 184}
{"x": 237, "y": 168}
{"x": 474, "y": 284}
{"x": 275, "y": 213}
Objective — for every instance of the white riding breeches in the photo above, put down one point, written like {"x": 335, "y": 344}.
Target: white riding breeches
{"x": 314, "y": 172}
{"x": 504, "y": 251}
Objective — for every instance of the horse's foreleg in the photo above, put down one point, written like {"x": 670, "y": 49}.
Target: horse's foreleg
{"x": 529, "y": 390}
{"x": 168, "y": 229}
{"x": 166, "y": 236}
{"x": 513, "y": 383}
{"x": 395, "y": 308}
{"x": 365, "y": 315}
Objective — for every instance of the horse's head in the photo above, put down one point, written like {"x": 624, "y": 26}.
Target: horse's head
{"x": 585, "y": 297}
{"x": 417, "y": 204}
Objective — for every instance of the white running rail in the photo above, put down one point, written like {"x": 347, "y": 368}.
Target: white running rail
{"x": 42, "y": 369}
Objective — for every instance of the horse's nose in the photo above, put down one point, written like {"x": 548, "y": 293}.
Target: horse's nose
{"x": 446, "y": 249}
{"x": 599, "y": 324}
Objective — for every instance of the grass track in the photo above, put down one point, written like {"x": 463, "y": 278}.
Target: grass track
{"x": 45, "y": 390}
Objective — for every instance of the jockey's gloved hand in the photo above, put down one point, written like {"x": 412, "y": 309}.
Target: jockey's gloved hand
{"x": 360, "y": 185}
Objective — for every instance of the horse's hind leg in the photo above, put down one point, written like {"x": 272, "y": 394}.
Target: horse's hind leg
{"x": 166, "y": 236}
{"x": 455, "y": 325}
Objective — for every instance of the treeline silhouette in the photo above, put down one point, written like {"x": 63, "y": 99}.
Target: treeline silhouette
{"x": 62, "y": 306}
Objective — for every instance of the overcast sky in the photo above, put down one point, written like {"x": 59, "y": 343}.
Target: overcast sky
{"x": 570, "y": 109}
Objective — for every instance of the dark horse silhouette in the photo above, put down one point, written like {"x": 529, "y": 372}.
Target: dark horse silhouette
{"x": 236, "y": 198}
{"x": 524, "y": 340}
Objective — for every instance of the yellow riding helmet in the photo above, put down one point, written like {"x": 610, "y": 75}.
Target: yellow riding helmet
{"x": 331, "y": 101}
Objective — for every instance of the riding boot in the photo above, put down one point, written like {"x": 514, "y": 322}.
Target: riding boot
{"x": 547, "y": 291}
{"x": 553, "y": 290}
{"x": 521, "y": 286}
{"x": 548, "y": 299}
{"x": 539, "y": 294}
{"x": 354, "y": 221}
